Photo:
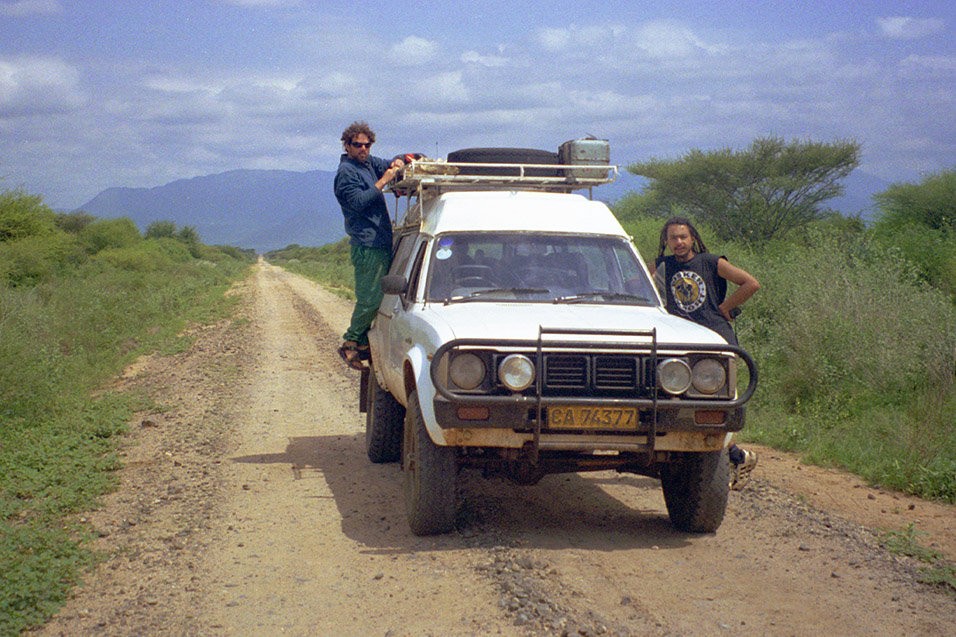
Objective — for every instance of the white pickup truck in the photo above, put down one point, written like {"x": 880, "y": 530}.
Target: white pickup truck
{"x": 520, "y": 333}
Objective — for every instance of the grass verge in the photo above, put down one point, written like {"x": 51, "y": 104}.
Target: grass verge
{"x": 60, "y": 342}
{"x": 939, "y": 573}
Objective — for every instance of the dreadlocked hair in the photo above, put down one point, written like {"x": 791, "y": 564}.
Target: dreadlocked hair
{"x": 699, "y": 246}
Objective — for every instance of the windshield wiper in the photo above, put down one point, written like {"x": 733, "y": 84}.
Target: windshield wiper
{"x": 479, "y": 293}
{"x": 610, "y": 296}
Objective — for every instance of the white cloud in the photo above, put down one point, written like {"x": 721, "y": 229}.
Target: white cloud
{"x": 174, "y": 84}
{"x": 553, "y": 39}
{"x": 19, "y": 8}
{"x": 335, "y": 83}
{"x": 665, "y": 39}
{"x": 936, "y": 64}
{"x": 38, "y": 85}
{"x": 490, "y": 61}
{"x": 903, "y": 28}
{"x": 444, "y": 88}
{"x": 590, "y": 38}
{"x": 414, "y": 51}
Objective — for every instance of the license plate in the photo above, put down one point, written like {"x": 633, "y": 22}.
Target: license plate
{"x": 577, "y": 417}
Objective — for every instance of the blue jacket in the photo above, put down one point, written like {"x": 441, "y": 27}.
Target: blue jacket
{"x": 367, "y": 221}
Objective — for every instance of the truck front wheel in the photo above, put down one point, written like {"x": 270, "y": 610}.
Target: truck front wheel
{"x": 695, "y": 488}
{"x": 429, "y": 476}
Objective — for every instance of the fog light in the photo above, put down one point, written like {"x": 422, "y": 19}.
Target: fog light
{"x": 674, "y": 376}
{"x": 516, "y": 372}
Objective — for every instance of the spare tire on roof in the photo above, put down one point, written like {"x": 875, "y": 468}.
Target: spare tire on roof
{"x": 505, "y": 156}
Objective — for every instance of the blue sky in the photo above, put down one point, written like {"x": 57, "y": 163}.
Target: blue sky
{"x": 96, "y": 94}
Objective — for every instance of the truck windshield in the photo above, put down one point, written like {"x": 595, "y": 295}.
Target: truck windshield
{"x": 554, "y": 268}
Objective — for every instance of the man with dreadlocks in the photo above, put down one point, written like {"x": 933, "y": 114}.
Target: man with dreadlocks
{"x": 694, "y": 284}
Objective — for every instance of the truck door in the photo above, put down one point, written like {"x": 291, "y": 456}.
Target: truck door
{"x": 385, "y": 352}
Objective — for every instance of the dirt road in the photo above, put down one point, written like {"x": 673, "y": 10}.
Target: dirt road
{"x": 248, "y": 507}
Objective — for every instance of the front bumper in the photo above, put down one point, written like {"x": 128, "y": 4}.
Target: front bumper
{"x": 527, "y": 412}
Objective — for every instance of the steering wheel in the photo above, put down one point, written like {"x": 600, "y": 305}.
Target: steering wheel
{"x": 473, "y": 276}
{"x": 475, "y": 282}
{"x": 542, "y": 276}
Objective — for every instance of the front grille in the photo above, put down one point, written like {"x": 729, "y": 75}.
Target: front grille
{"x": 596, "y": 375}
{"x": 565, "y": 372}
{"x": 615, "y": 372}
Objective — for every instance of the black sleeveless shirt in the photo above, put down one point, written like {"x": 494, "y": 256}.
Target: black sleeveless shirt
{"x": 693, "y": 289}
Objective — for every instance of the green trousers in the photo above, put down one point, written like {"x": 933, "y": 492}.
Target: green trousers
{"x": 370, "y": 265}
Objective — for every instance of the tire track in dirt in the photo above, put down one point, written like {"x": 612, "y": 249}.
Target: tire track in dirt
{"x": 314, "y": 542}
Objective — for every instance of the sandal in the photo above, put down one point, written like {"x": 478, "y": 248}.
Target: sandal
{"x": 353, "y": 355}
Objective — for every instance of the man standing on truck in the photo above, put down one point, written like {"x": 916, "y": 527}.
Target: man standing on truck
{"x": 359, "y": 188}
{"x": 694, "y": 284}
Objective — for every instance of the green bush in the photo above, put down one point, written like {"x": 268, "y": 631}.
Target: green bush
{"x": 329, "y": 265}
{"x": 932, "y": 252}
{"x": 930, "y": 203}
{"x": 920, "y": 221}
{"x": 855, "y": 354}
{"x": 67, "y": 324}
{"x": 173, "y": 249}
{"x": 110, "y": 233}
{"x": 74, "y": 222}
{"x": 23, "y": 215}
{"x": 32, "y": 259}
{"x": 161, "y": 229}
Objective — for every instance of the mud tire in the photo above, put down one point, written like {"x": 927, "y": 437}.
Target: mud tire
{"x": 384, "y": 417}
{"x": 429, "y": 476}
{"x": 695, "y": 489}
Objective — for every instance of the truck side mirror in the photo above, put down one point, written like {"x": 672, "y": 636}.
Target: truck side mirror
{"x": 394, "y": 284}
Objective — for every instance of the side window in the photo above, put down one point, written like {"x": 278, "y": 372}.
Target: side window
{"x": 402, "y": 253}
{"x": 415, "y": 275}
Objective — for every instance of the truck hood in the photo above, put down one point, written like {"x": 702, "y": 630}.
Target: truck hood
{"x": 521, "y": 321}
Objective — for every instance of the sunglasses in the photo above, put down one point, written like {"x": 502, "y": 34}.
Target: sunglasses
{"x": 360, "y": 144}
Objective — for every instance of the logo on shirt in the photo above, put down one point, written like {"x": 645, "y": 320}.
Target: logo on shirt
{"x": 689, "y": 290}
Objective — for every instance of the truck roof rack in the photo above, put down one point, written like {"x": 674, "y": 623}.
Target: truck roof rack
{"x": 429, "y": 177}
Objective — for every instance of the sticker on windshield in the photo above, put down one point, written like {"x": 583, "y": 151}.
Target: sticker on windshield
{"x": 442, "y": 253}
{"x": 446, "y": 242}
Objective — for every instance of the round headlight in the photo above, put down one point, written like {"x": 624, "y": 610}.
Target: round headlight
{"x": 466, "y": 371}
{"x": 709, "y": 376}
{"x": 674, "y": 376}
{"x": 516, "y": 372}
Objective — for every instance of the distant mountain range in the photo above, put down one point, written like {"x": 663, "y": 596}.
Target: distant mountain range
{"x": 261, "y": 209}
{"x": 271, "y": 209}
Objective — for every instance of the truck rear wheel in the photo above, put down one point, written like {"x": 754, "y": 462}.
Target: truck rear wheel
{"x": 383, "y": 423}
{"x": 429, "y": 476}
{"x": 695, "y": 490}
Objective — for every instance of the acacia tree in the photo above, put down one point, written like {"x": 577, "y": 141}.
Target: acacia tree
{"x": 752, "y": 195}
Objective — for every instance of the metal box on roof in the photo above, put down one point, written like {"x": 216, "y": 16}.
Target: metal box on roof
{"x": 586, "y": 152}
